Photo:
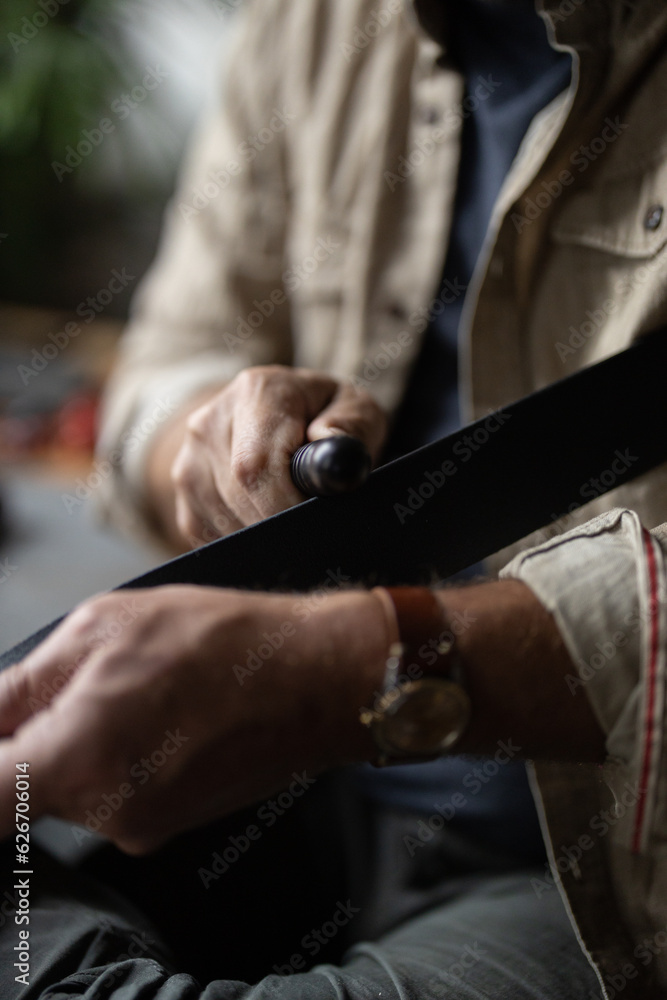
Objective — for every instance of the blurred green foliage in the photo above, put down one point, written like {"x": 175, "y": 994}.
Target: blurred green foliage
{"x": 57, "y": 71}
{"x": 63, "y": 66}
{"x": 53, "y": 76}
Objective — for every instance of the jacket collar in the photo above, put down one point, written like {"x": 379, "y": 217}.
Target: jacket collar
{"x": 609, "y": 36}
{"x": 575, "y": 23}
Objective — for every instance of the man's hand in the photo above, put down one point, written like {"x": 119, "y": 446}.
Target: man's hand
{"x": 226, "y": 463}
{"x": 155, "y": 711}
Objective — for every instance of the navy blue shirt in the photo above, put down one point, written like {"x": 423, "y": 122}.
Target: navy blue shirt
{"x": 507, "y": 46}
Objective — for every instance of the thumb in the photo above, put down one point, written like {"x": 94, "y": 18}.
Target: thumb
{"x": 24, "y": 764}
{"x": 18, "y": 699}
{"x": 351, "y": 411}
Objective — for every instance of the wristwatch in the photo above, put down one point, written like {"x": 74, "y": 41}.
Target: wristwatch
{"x": 423, "y": 709}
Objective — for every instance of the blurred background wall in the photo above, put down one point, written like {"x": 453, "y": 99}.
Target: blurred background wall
{"x": 74, "y": 195}
{"x": 97, "y": 99}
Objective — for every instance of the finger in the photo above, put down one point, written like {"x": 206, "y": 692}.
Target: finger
{"x": 16, "y": 693}
{"x": 23, "y": 693}
{"x": 70, "y": 753}
{"x": 353, "y": 412}
{"x": 200, "y": 511}
{"x": 29, "y": 748}
{"x": 203, "y": 517}
{"x": 262, "y": 449}
{"x": 203, "y": 478}
{"x": 30, "y": 686}
{"x": 269, "y": 426}
{"x": 199, "y": 529}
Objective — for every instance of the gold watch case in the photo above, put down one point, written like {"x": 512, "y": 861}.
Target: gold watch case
{"x": 421, "y": 718}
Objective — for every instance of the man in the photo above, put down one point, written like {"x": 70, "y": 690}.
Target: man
{"x": 327, "y": 257}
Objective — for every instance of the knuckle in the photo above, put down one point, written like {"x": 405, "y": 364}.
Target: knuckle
{"x": 218, "y": 521}
{"x": 86, "y": 617}
{"x": 247, "y": 467}
{"x": 183, "y": 474}
{"x": 261, "y": 379}
{"x": 198, "y": 424}
{"x": 249, "y": 378}
{"x": 263, "y": 373}
{"x": 246, "y": 377}
{"x": 190, "y": 527}
{"x": 17, "y": 684}
{"x": 208, "y": 531}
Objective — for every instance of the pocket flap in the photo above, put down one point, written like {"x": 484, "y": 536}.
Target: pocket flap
{"x": 613, "y": 214}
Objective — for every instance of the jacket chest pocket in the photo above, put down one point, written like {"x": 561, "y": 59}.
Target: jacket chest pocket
{"x": 624, "y": 213}
{"x": 603, "y": 278}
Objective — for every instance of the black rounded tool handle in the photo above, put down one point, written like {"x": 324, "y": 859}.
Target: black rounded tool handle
{"x": 331, "y": 465}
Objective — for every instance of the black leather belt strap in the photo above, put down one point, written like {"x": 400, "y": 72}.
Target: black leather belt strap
{"x": 453, "y": 502}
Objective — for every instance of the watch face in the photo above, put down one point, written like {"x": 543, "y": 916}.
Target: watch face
{"x": 427, "y": 718}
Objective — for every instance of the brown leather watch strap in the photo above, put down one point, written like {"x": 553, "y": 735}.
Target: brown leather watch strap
{"x": 420, "y": 626}
{"x": 423, "y": 708}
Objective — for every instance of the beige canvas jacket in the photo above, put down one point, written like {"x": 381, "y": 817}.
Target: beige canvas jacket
{"x": 310, "y": 227}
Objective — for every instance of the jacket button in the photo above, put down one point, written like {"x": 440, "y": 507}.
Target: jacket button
{"x": 397, "y": 311}
{"x": 653, "y": 217}
{"x": 429, "y": 115}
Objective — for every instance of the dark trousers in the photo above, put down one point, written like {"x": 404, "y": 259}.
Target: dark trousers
{"x": 319, "y": 900}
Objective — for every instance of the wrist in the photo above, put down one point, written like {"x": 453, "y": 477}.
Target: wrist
{"x": 513, "y": 662}
{"x": 423, "y": 709}
{"x": 349, "y": 634}
{"x": 516, "y": 663}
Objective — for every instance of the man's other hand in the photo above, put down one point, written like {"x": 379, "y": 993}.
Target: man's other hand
{"x": 225, "y": 463}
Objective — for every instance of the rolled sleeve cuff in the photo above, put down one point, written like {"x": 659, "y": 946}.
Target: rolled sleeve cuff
{"x": 129, "y": 429}
{"x": 590, "y": 580}
{"x": 604, "y": 583}
{"x": 161, "y": 399}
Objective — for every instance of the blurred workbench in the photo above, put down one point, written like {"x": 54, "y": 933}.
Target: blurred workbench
{"x": 53, "y": 554}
